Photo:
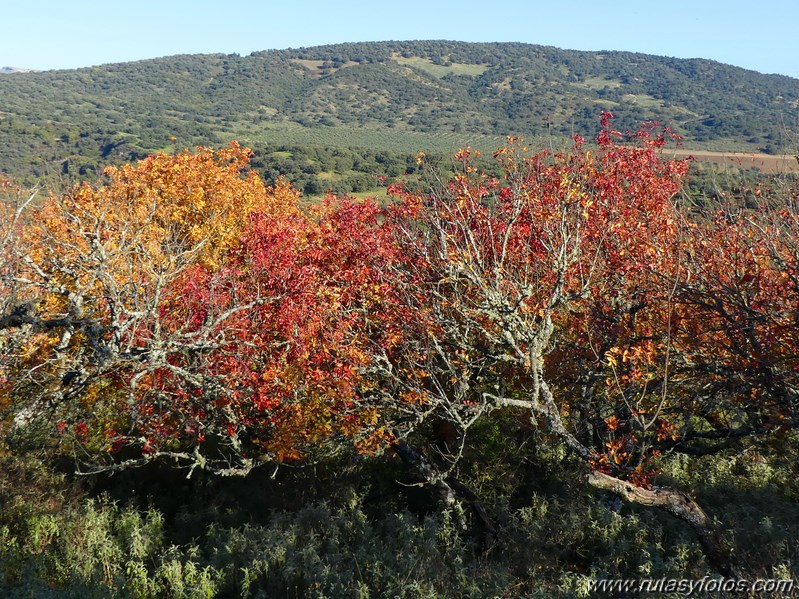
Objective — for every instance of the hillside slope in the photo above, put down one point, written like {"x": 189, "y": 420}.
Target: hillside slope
{"x": 404, "y": 96}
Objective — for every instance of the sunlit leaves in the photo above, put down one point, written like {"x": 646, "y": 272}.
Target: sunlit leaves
{"x": 180, "y": 308}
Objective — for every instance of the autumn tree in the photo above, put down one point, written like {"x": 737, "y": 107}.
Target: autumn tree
{"x": 91, "y": 272}
{"x": 740, "y": 293}
{"x": 182, "y": 310}
{"x": 285, "y": 378}
{"x": 14, "y": 204}
{"x": 557, "y": 291}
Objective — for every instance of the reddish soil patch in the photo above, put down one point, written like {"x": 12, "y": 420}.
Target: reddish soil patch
{"x": 765, "y": 163}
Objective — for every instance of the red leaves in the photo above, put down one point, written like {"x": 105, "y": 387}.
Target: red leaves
{"x": 607, "y": 136}
{"x": 282, "y": 331}
{"x": 317, "y": 300}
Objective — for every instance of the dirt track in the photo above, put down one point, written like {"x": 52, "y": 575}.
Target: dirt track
{"x": 765, "y": 163}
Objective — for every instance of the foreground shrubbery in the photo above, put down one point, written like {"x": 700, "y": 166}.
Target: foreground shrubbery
{"x": 207, "y": 539}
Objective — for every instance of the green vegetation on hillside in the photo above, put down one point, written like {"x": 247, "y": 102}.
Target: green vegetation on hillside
{"x": 385, "y": 96}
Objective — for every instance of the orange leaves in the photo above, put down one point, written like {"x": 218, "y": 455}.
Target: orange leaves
{"x": 125, "y": 277}
{"x": 374, "y": 442}
{"x": 195, "y": 200}
{"x": 741, "y": 304}
{"x": 319, "y": 303}
{"x": 565, "y": 273}
{"x": 666, "y": 431}
{"x": 149, "y": 220}
{"x": 193, "y": 305}
{"x": 414, "y": 398}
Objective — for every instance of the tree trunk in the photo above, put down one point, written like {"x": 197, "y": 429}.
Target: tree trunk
{"x": 447, "y": 489}
{"x": 426, "y": 471}
{"x": 716, "y": 546}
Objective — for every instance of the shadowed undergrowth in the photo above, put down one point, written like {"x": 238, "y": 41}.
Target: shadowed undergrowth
{"x": 336, "y": 530}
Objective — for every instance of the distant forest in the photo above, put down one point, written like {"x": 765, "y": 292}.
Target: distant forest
{"x": 391, "y": 97}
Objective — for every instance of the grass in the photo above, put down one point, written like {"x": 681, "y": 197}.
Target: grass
{"x": 316, "y": 66}
{"x": 599, "y": 83}
{"x": 765, "y": 163}
{"x": 439, "y": 71}
{"x": 316, "y": 532}
{"x": 642, "y": 100}
{"x": 379, "y": 195}
{"x": 396, "y": 141}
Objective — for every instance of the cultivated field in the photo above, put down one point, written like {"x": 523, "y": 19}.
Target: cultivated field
{"x": 765, "y": 163}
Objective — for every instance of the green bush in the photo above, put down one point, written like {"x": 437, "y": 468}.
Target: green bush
{"x": 207, "y": 538}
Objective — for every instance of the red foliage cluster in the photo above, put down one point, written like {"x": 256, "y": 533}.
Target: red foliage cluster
{"x": 571, "y": 287}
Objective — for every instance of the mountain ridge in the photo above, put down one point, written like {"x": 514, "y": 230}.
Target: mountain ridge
{"x": 382, "y": 95}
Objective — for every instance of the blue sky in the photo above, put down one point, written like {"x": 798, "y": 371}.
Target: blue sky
{"x": 55, "y": 34}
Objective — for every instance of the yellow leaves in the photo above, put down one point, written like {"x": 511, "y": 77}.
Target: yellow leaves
{"x": 586, "y": 207}
{"x": 375, "y": 442}
{"x": 612, "y": 356}
{"x": 644, "y": 353}
{"x": 417, "y": 398}
{"x": 369, "y": 417}
{"x": 97, "y": 392}
{"x": 666, "y": 431}
{"x": 176, "y": 203}
{"x": 616, "y": 451}
{"x": 148, "y": 218}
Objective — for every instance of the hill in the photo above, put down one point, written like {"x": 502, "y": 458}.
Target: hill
{"x": 396, "y": 96}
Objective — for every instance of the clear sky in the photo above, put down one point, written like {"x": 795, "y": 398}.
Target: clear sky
{"x": 57, "y": 34}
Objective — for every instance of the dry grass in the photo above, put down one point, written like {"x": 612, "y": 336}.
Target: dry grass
{"x": 427, "y": 65}
{"x": 316, "y": 66}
